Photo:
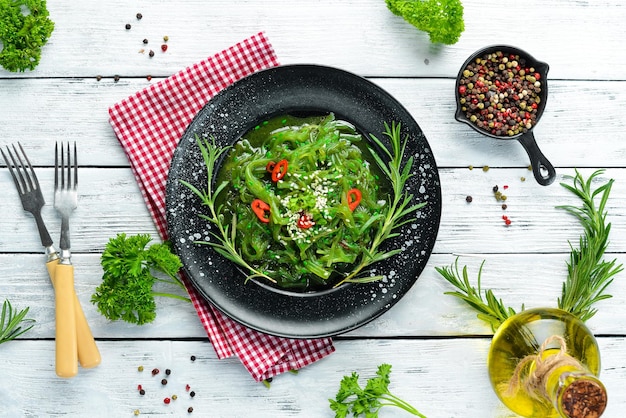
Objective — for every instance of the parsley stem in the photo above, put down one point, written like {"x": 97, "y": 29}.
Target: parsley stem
{"x": 171, "y": 295}
{"x": 395, "y": 401}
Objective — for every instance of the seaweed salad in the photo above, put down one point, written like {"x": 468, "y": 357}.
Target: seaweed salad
{"x": 304, "y": 203}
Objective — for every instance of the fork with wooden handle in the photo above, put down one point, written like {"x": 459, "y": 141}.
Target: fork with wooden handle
{"x": 65, "y": 201}
{"x": 32, "y": 199}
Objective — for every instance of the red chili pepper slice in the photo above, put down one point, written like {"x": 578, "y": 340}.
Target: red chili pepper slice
{"x": 354, "y": 198}
{"x": 279, "y": 170}
{"x": 305, "y": 221}
{"x": 260, "y": 208}
{"x": 270, "y": 166}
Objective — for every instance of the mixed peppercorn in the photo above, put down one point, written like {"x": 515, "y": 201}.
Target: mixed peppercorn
{"x": 145, "y": 41}
{"x": 168, "y": 399}
{"x": 500, "y": 93}
{"x": 500, "y": 196}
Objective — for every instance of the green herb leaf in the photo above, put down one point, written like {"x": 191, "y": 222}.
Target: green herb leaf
{"x": 226, "y": 241}
{"x": 490, "y": 309}
{"x": 441, "y": 19}
{"x": 588, "y": 273}
{"x": 11, "y": 322}
{"x": 23, "y": 34}
{"x": 126, "y": 291}
{"x": 400, "y": 207}
{"x": 367, "y": 401}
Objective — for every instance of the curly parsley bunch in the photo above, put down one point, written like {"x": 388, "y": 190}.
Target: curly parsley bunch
{"x": 24, "y": 30}
{"x": 126, "y": 291}
{"x": 441, "y": 19}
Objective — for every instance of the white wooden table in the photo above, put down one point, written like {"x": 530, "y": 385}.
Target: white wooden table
{"x": 437, "y": 346}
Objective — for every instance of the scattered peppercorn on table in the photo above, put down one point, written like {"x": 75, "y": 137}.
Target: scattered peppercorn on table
{"x": 492, "y": 207}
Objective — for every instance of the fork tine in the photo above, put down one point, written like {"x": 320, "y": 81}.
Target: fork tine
{"x": 56, "y": 166}
{"x": 32, "y": 177}
{"x": 75, "y": 167}
{"x": 62, "y": 167}
{"x": 69, "y": 168}
{"x": 10, "y": 167}
{"x": 18, "y": 171}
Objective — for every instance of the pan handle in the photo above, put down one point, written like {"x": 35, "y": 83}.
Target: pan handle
{"x": 542, "y": 168}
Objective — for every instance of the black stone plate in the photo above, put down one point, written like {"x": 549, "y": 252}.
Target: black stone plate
{"x": 299, "y": 90}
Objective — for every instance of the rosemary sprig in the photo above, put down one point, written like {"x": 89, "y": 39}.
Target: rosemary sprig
{"x": 588, "y": 274}
{"x": 399, "y": 205}
{"x": 10, "y": 322}
{"x": 490, "y": 309}
{"x": 226, "y": 234}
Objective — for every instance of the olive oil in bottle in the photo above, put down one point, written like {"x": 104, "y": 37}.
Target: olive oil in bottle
{"x": 545, "y": 363}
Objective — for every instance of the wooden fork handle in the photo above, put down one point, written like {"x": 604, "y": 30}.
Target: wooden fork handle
{"x": 65, "y": 340}
{"x": 88, "y": 353}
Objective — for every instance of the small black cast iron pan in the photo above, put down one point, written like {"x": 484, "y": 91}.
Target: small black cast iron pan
{"x": 542, "y": 168}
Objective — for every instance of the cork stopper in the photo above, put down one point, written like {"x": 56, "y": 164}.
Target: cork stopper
{"x": 584, "y": 398}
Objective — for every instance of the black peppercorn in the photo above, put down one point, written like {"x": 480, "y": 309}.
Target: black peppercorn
{"x": 142, "y": 392}
{"x": 151, "y": 53}
{"x": 145, "y": 41}
{"x": 468, "y": 199}
{"x": 192, "y": 393}
{"x": 139, "y": 16}
{"x": 164, "y": 382}
{"x": 190, "y": 409}
{"x": 116, "y": 78}
{"x": 168, "y": 372}
{"x": 128, "y": 26}
{"x": 193, "y": 358}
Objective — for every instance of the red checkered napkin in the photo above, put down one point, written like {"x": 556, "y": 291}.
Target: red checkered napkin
{"x": 149, "y": 124}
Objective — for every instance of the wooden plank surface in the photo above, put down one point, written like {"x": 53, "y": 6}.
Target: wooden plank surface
{"x": 533, "y": 280}
{"x": 562, "y": 137}
{"x": 110, "y": 203}
{"x": 459, "y": 388}
{"x": 579, "y": 39}
{"x": 436, "y": 345}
